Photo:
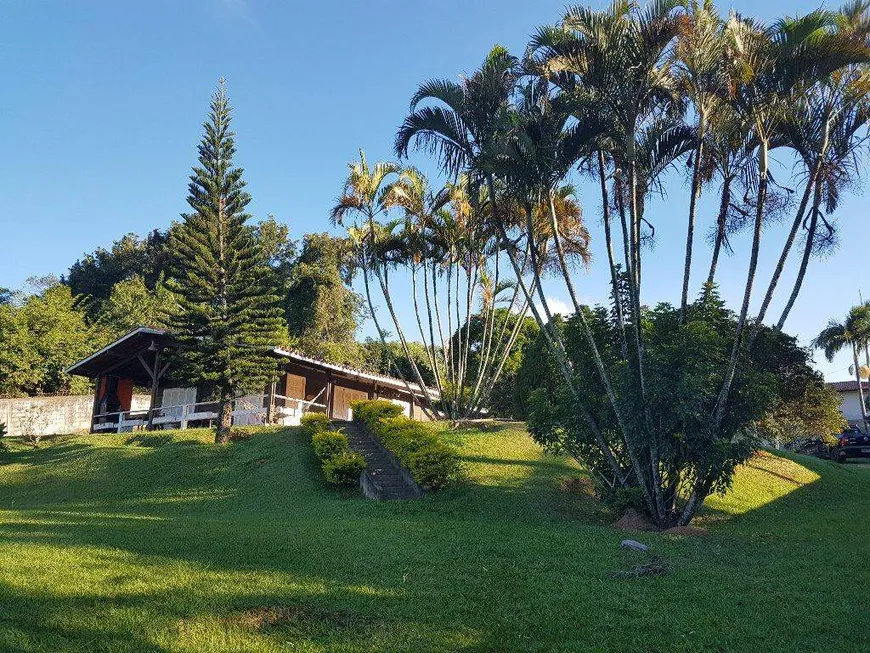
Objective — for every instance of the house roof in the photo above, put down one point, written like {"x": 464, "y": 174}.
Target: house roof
{"x": 389, "y": 381}
{"x": 121, "y": 358}
{"x": 848, "y": 386}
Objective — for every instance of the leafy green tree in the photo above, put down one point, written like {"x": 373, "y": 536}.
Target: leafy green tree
{"x": 322, "y": 311}
{"x": 132, "y": 304}
{"x": 389, "y": 358}
{"x": 95, "y": 275}
{"x": 227, "y": 314}
{"x": 39, "y": 339}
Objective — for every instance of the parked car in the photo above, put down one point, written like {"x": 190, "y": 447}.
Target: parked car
{"x": 852, "y": 443}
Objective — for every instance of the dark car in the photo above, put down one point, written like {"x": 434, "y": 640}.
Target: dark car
{"x": 851, "y": 444}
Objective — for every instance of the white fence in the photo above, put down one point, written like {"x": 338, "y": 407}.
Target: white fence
{"x": 245, "y": 411}
{"x": 53, "y": 415}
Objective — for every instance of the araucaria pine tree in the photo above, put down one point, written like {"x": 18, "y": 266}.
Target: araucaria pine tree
{"x": 226, "y": 316}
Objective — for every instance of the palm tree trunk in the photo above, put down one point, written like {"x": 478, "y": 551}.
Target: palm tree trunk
{"x": 556, "y": 351}
{"x": 722, "y": 400}
{"x": 655, "y": 508}
{"x": 434, "y": 413}
{"x": 860, "y": 387}
{"x": 795, "y": 226}
{"x": 690, "y": 231}
{"x": 721, "y": 222}
{"x": 608, "y": 239}
{"x": 429, "y": 356}
{"x": 805, "y": 259}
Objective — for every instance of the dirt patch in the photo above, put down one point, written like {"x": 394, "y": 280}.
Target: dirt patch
{"x": 295, "y": 617}
{"x": 578, "y": 485}
{"x": 690, "y": 531}
{"x": 632, "y": 520}
{"x": 655, "y": 567}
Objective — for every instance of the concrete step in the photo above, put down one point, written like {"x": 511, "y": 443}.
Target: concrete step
{"x": 379, "y": 466}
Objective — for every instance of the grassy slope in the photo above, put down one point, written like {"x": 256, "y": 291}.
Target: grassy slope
{"x": 186, "y": 546}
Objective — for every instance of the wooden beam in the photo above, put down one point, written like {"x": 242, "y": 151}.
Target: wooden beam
{"x": 96, "y": 405}
{"x": 148, "y": 369}
{"x": 330, "y": 388}
{"x": 155, "y": 380}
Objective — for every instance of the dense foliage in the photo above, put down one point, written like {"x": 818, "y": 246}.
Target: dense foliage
{"x": 431, "y": 463}
{"x": 41, "y": 335}
{"x": 777, "y": 396}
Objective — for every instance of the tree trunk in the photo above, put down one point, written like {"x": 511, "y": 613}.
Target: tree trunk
{"x": 690, "y": 231}
{"x": 225, "y": 419}
{"x": 792, "y": 235}
{"x": 860, "y": 388}
{"x": 608, "y": 239}
{"x": 722, "y": 400}
{"x": 805, "y": 260}
{"x": 721, "y": 223}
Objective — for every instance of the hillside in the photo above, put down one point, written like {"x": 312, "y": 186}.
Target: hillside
{"x": 170, "y": 543}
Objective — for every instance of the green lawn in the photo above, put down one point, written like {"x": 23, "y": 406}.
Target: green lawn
{"x": 182, "y": 545}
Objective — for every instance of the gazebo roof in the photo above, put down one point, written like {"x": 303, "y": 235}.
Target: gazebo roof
{"x": 121, "y": 357}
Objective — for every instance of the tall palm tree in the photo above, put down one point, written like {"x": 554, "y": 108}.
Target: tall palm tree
{"x": 363, "y": 199}
{"x": 852, "y": 333}
{"x": 767, "y": 64}
{"x": 699, "y": 55}
{"x": 829, "y": 134}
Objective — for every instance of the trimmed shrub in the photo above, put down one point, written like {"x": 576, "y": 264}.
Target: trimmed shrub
{"x": 340, "y": 465}
{"x": 431, "y": 463}
{"x": 369, "y": 412}
{"x": 328, "y": 444}
{"x": 312, "y": 423}
{"x": 344, "y": 468}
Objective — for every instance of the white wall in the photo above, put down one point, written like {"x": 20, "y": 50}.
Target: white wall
{"x": 850, "y": 406}
{"x": 53, "y": 415}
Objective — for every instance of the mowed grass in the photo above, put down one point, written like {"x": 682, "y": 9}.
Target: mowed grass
{"x": 171, "y": 543}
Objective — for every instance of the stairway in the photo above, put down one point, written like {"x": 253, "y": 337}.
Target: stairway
{"x": 387, "y": 481}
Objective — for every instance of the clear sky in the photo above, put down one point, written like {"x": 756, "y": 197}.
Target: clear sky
{"x": 102, "y": 105}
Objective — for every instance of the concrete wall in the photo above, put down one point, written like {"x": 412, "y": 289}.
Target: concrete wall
{"x": 53, "y": 415}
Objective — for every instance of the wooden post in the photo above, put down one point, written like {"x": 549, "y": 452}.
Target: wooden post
{"x": 96, "y": 405}
{"x": 270, "y": 406}
{"x": 155, "y": 379}
{"x": 375, "y": 393}
{"x": 413, "y": 402}
{"x": 329, "y": 394}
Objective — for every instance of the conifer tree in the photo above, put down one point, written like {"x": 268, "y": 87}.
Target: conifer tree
{"x": 226, "y": 316}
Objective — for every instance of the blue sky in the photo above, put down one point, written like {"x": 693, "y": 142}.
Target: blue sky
{"x": 102, "y": 104}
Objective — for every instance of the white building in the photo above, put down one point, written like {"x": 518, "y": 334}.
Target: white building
{"x": 850, "y": 404}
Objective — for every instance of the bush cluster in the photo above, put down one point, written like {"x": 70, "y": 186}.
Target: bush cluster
{"x": 314, "y": 423}
{"x": 431, "y": 463}
{"x": 340, "y": 465}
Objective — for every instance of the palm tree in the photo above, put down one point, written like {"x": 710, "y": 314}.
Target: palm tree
{"x": 699, "y": 54}
{"x": 363, "y": 198}
{"x": 767, "y": 65}
{"x": 854, "y": 333}
{"x": 829, "y": 134}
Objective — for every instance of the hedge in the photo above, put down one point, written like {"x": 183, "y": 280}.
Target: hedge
{"x": 340, "y": 465}
{"x": 312, "y": 423}
{"x": 431, "y": 463}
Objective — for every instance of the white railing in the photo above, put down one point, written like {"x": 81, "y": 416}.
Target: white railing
{"x": 182, "y": 414}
